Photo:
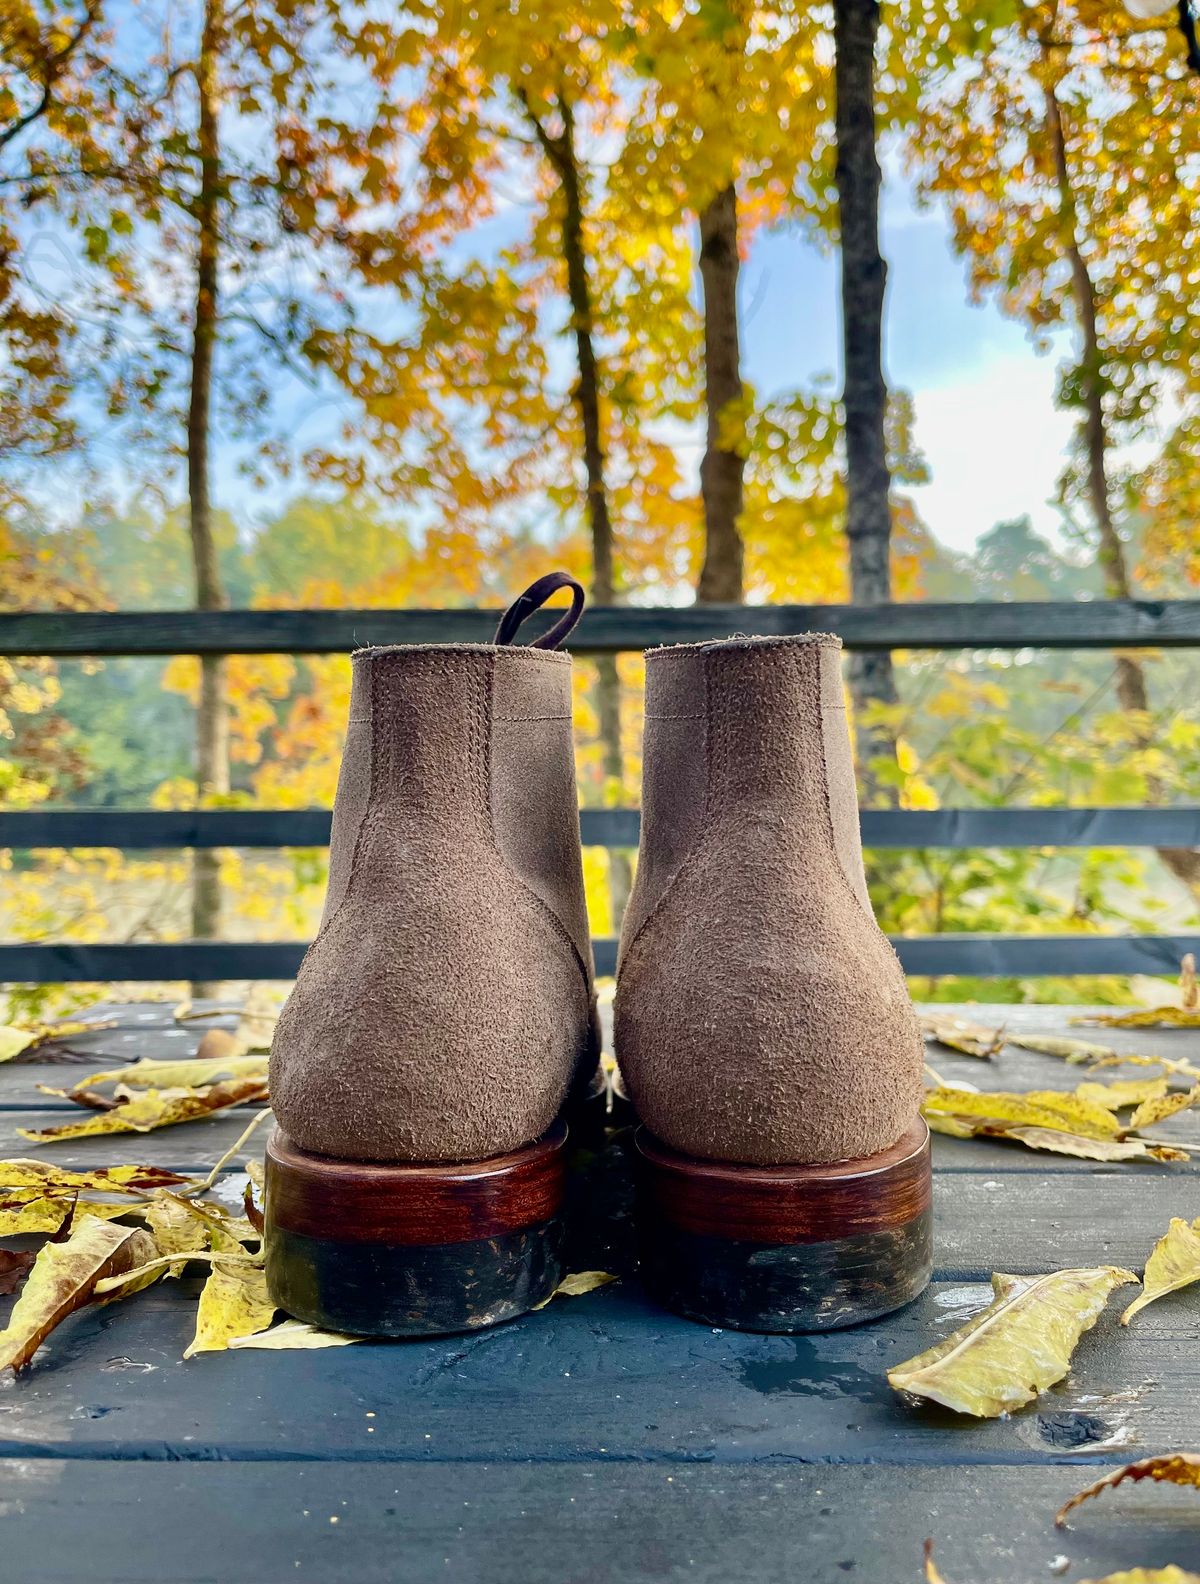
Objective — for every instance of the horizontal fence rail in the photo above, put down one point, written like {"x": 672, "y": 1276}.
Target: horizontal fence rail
{"x": 983, "y": 956}
{"x": 1036, "y": 624}
{"x": 1075, "y": 624}
{"x": 148, "y": 830}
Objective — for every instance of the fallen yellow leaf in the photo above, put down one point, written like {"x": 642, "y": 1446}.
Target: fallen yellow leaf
{"x": 1175, "y": 1468}
{"x": 1022, "y": 1343}
{"x": 1086, "y": 1148}
{"x": 1148, "y": 1017}
{"x": 176, "y": 1228}
{"x": 1174, "y": 1263}
{"x": 576, "y": 1284}
{"x": 17, "y": 1041}
{"x": 234, "y": 1303}
{"x": 64, "y": 1278}
{"x": 155, "y": 1109}
{"x": 1158, "y": 1110}
{"x": 1166, "y": 1575}
{"x": 187, "y": 1074}
{"x": 45, "y": 1214}
{"x": 14, "y": 1040}
{"x": 1046, "y": 1108}
{"x": 50, "y": 1179}
{"x": 1070, "y": 1050}
{"x": 293, "y": 1334}
{"x": 968, "y": 1039}
{"x": 1122, "y": 1092}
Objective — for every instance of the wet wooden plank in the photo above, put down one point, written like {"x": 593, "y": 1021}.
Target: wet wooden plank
{"x": 603, "y": 1522}
{"x": 602, "y": 1376}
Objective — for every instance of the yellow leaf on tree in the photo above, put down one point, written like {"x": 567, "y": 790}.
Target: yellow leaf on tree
{"x": 63, "y": 1279}
{"x": 234, "y": 1303}
{"x": 290, "y": 1334}
{"x": 155, "y": 1109}
{"x": 1019, "y": 1345}
{"x": 1174, "y": 1468}
{"x": 1174, "y": 1263}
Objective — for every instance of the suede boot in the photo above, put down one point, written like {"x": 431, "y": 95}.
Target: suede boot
{"x": 762, "y": 1019}
{"x": 445, "y": 1011}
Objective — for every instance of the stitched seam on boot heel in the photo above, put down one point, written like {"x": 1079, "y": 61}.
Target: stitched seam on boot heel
{"x": 541, "y": 907}
{"x": 693, "y": 850}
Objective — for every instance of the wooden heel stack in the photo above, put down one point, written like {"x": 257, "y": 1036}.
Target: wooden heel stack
{"x": 785, "y": 1248}
{"x": 414, "y": 1250}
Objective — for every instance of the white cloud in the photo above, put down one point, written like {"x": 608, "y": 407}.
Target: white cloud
{"x": 995, "y": 444}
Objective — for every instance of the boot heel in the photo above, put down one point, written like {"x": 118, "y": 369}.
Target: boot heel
{"x": 785, "y": 1248}
{"x": 420, "y": 1250}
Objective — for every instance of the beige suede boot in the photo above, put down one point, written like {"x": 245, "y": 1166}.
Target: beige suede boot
{"x": 445, "y": 1011}
{"x": 762, "y": 1020}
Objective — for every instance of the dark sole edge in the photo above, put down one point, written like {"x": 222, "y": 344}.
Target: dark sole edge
{"x": 414, "y": 1250}
{"x": 800, "y": 1250}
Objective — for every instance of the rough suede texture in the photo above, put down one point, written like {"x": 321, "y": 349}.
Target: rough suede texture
{"x": 446, "y": 1006}
{"x": 761, "y": 1015}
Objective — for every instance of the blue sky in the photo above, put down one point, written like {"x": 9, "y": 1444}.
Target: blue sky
{"x": 984, "y": 396}
{"x": 985, "y": 414}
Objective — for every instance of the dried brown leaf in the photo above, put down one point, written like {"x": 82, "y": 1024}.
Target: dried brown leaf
{"x": 14, "y": 1264}
{"x": 968, "y": 1039}
{"x": 1174, "y": 1468}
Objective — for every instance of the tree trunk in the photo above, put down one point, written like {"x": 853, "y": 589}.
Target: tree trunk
{"x": 1132, "y": 691}
{"x": 212, "y": 720}
{"x": 723, "y": 466}
{"x": 864, "y": 397}
{"x": 560, "y": 150}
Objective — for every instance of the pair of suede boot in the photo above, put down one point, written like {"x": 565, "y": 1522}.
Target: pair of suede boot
{"x": 445, "y": 1015}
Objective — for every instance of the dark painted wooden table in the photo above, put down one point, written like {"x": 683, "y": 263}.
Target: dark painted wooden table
{"x": 602, "y": 1439}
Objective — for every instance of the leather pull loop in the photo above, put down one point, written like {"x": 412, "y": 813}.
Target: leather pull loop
{"x": 534, "y": 597}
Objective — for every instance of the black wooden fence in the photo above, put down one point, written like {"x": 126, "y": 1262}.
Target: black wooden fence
{"x": 1042, "y": 625}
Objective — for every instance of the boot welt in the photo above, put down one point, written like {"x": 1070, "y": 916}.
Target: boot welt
{"x": 786, "y": 1248}
{"x": 414, "y": 1250}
